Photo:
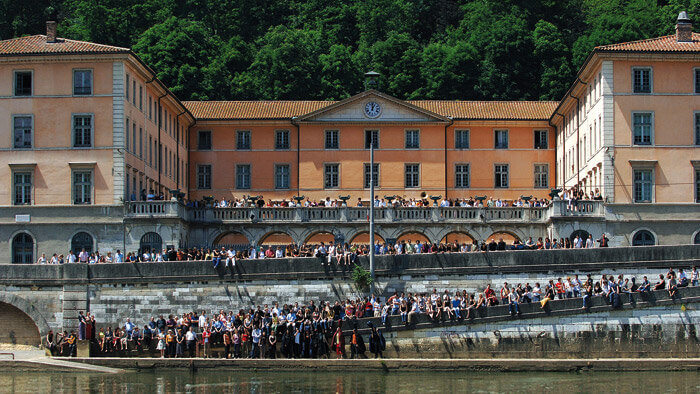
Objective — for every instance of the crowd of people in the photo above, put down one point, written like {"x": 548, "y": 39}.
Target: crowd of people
{"x": 319, "y": 330}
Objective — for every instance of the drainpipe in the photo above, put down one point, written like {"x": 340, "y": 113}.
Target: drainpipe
{"x": 294, "y": 122}
{"x": 445, "y": 153}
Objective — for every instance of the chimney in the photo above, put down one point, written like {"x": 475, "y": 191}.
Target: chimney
{"x": 684, "y": 28}
{"x": 371, "y": 80}
{"x": 50, "y": 31}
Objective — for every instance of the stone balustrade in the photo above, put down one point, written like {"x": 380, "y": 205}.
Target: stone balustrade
{"x": 361, "y": 214}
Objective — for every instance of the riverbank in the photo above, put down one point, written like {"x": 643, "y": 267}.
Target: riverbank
{"x": 391, "y": 365}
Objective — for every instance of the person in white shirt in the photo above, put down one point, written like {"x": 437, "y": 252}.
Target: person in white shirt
{"x": 119, "y": 257}
{"x": 202, "y": 321}
{"x": 42, "y": 259}
{"x": 83, "y": 256}
{"x": 589, "y": 242}
{"x": 231, "y": 258}
{"x": 279, "y": 252}
{"x": 253, "y": 253}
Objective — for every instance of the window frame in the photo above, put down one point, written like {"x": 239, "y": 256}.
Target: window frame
{"x": 200, "y": 133}
{"x": 495, "y": 174}
{"x": 536, "y": 174}
{"x": 651, "y": 128}
{"x": 696, "y": 124}
{"x": 200, "y": 173}
{"x": 22, "y": 170}
{"x": 541, "y": 132}
{"x": 377, "y": 143}
{"x": 365, "y": 178}
{"x": 286, "y": 138}
{"x": 14, "y": 82}
{"x": 495, "y": 138}
{"x": 651, "y": 184}
{"x": 650, "y": 69}
{"x": 327, "y": 133}
{"x": 461, "y": 146}
{"x": 92, "y": 82}
{"x": 460, "y": 185}
{"x": 278, "y": 166}
{"x": 248, "y": 133}
{"x": 405, "y": 176}
{"x": 89, "y": 171}
{"x": 92, "y": 130}
{"x": 696, "y": 80}
{"x": 12, "y": 134}
{"x": 406, "y": 134}
{"x": 326, "y": 185}
{"x": 238, "y": 174}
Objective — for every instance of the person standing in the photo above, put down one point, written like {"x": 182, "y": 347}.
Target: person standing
{"x": 190, "y": 341}
{"x": 81, "y": 325}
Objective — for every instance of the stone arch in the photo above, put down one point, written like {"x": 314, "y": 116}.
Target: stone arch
{"x": 29, "y": 310}
{"x": 644, "y": 237}
{"x": 276, "y": 238}
{"x": 82, "y": 237}
{"x": 151, "y": 241}
{"x": 413, "y": 235}
{"x": 362, "y": 237}
{"x": 317, "y": 237}
{"x": 459, "y": 236}
{"x": 508, "y": 236}
{"x": 696, "y": 238}
{"x": 231, "y": 239}
{"x": 23, "y": 247}
{"x": 583, "y": 234}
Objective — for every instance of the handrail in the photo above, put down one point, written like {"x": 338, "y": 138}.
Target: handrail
{"x": 8, "y": 354}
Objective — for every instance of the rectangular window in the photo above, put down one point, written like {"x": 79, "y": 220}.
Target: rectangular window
{"x": 141, "y": 98}
{"x": 23, "y": 83}
{"x": 372, "y": 138}
{"x": 282, "y": 176}
{"x": 140, "y": 141}
{"x": 412, "y": 139}
{"x": 204, "y": 140}
{"x": 501, "y": 176}
{"x": 243, "y": 176}
{"x": 332, "y": 139}
{"x": 82, "y": 131}
{"x": 22, "y": 126}
{"x": 541, "y": 139}
{"x": 697, "y": 186}
{"x": 127, "y": 132}
{"x": 23, "y": 187}
{"x": 82, "y": 82}
{"x": 461, "y": 139}
{"x": 374, "y": 176}
{"x": 133, "y": 96}
{"x": 541, "y": 176}
{"x": 461, "y": 176}
{"x": 641, "y": 80}
{"x": 643, "y": 183}
{"x": 643, "y": 128}
{"x": 127, "y": 87}
{"x": 150, "y": 108}
{"x": 331, "y": 176}
{"x": 501, "y": 139}
{"x": 82, "y": 187}
{"x": 204, "y": 176}
{"x": 282, "y": 139}
{"x": 697, "y": 128}
{"x": 697, "y": 80}
{"x": 150, "y": 150}
{"x": 243, "y": 140}
{"x": 412, "y": 175}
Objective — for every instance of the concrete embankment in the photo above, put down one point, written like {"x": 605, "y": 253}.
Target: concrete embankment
{"x": 401, "y": 365}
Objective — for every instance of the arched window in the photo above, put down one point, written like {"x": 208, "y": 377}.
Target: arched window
{"x": 696, "y": 240}
{"x": 23, "y": 249}
{"x": 643, "y": 238}
{"x": 583, "y": 234}
{"x": 151, "y": 242}
{"x": 80, "y": 241}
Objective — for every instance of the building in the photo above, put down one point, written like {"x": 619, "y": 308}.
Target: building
{"x": 91, "y": 127}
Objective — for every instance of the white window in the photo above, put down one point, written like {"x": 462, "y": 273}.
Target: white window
{"x": 332, "y": 139}
{"x": 204, "y": 176}
{"x": 374, "y": 176}
{"x": 243, "y": 176}
{"x": 412, "y": 139}
{"x": 22, "y": 131}
{"x": 282, "y": 139}
{"x": 643, "y": 185}
{"x": 331, "y": 176}
{"x": 461, "y": 139}
{"x": 243, "y": 140}
{"x": 22, "y": 187}
{"x": 541, "y": 139}
{"x": 372, "y": 138}
{"x": 412, "y": 175}
{"x": 282, "y": 176}
{"x": 82, "y": 131}
{"x": 82, "y": 187}
{"x": 501, "y": 176}
{"x": 82, "y": 82}
{"x": 541, "y": 176}
{"x": 23, "y": 83}
{"x": 461, "y": 176}
{"x": 643, "y": 128}
{"x": 501, "y": 139}
{"x": 641, "y": 80}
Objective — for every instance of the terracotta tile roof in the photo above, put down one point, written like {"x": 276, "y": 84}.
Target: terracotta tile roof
{"x": 288, "y": 109}
{"x": 37, "y": 45}
{"x": 658, "y": 44}
{"x": 519, "y": 110}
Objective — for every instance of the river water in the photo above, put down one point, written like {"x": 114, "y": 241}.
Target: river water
{"x": 351, "y": 382}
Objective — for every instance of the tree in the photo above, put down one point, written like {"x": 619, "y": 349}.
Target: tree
{"x": 555, "y": 71}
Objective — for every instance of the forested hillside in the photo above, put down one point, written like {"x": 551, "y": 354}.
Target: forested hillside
{"x": 319, "y": 49}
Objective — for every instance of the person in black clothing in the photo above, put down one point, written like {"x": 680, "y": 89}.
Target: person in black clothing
{"x": 377, "y": 343}
{"x": 501, "y": 244}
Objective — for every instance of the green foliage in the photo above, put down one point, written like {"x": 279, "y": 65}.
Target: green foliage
{"x": 317, "y": 49}
{"x": 362, "y": 278}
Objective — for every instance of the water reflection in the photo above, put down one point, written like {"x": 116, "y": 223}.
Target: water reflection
{"x": 350, "y": 382}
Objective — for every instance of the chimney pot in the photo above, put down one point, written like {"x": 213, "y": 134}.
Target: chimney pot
{"x": 684, "y": 28}
{"x": 50, "y": 31}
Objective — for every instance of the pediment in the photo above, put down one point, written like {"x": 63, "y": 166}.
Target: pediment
{"x": 353, "y": 110}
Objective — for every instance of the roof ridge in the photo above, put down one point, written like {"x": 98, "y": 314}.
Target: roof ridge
{"x": 88, "y": 42}
{"x": 634, "y": 41}
{"x": 23, "y": 37}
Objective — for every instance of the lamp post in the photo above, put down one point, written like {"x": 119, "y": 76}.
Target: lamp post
{"x": 371, "y": 211}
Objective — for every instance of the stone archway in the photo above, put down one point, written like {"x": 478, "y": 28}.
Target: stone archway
{"x": 26, "y": 326}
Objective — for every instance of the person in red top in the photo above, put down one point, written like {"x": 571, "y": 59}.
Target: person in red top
{"x": 560, "y": 289}
{"x": 490, "y": 296}
{"x": 206, "y": 335}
